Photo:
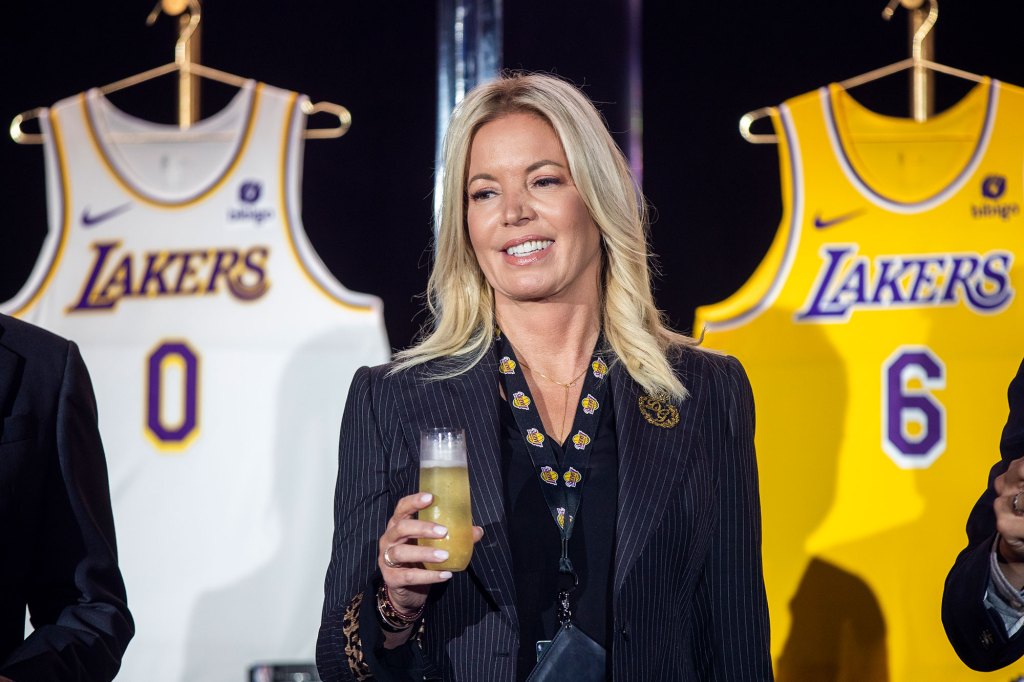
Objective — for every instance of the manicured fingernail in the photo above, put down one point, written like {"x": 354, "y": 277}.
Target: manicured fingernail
{"x": 425, "y": 498}
{"x": 440, "y": 530}
{"x": 445, "y": 575}
{"x": 440, "y": 554}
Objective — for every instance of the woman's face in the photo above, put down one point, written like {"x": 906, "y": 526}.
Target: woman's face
{"x": 532, "y": 234}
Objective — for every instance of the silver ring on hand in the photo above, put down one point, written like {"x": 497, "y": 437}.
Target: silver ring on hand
{"x": 391, "y": 564}
{"x": 1015, "y": 503}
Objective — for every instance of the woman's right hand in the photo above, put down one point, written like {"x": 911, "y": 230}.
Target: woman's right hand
{"x": 400, "y": 559}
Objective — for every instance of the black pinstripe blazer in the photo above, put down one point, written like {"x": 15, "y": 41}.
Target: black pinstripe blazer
{"x": 688, "y": 593}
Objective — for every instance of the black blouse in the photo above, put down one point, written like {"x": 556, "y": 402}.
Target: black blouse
{"x": 536, "y": 543}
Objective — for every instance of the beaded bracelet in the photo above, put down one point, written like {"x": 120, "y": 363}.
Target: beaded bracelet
{"x": 391, "y": 619}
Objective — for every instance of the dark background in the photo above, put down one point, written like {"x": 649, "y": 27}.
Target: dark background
{"x": 367, "y": 196}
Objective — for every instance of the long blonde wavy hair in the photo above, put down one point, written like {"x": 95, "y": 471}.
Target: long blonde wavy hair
{"x": 459, "y": 298}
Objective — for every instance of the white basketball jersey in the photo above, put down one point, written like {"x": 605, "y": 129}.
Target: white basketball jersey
{"x": 221, "y": 350}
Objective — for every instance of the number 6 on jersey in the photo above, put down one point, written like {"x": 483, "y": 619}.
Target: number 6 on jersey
{"x": 913, "y": 421}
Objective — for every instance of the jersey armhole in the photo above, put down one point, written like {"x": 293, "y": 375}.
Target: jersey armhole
{"x": 307, "y": 259}
{"x": 759, "y": 291}
{"x": 58, "y": 203}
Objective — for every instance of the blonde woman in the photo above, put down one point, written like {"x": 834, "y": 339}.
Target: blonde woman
{"x": 548, "y": 349}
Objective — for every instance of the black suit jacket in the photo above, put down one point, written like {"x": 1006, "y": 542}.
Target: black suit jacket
{"x": 57, "y": 552}
{"x": 976, "y": 633}
{"x": 688, "y": 593}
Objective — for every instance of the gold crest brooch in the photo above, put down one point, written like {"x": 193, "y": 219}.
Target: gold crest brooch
{"x": 659, "y": 412}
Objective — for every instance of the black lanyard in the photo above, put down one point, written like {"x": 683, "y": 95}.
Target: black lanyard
{"x": 561, "y": 484}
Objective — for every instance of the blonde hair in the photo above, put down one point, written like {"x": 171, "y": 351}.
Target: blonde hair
{"x": 459, "y": 298}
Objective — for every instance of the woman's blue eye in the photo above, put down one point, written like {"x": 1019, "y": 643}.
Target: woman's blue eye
{"x": 547, "y": 182}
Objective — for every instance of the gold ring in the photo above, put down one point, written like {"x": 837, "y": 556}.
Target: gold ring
{"x": 391, "y": 564}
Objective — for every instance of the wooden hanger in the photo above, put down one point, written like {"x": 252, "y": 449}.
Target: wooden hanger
{"x": 916, "y": 61}
{"x": 190, "y": 13}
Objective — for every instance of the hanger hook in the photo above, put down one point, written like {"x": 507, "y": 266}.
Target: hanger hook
{"x": 175, "y": 8}
{"x": 194, "y": 16}
{"x": 926, "y": 26}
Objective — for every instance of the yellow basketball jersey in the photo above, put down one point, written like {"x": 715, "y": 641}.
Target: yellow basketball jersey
{"x": 880, "y": 333}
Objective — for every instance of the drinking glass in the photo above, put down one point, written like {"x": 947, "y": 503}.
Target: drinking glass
{"x": 444, "y": 475}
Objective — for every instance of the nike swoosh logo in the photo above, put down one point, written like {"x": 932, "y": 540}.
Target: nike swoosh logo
{"x": 821, "y": 224}
{"x": 92, "y": 219}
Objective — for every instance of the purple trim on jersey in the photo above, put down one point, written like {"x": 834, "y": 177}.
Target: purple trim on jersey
{"x": 796, "y": 216}
{"x": 944, "y": 193}
{"x": 240, "y": 144}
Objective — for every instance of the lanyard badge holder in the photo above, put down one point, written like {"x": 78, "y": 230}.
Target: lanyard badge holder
{"x": 571, "y": 651}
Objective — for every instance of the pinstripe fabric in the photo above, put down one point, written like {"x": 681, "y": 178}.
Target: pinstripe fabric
{"x": 689, "y": 601}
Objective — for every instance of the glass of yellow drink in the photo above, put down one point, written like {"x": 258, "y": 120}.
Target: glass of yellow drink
{"x": 444, "y": 475}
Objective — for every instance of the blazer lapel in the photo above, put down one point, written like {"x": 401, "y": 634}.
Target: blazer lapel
{"x": 651, "y": 459}
{"x": 470, "y": 401}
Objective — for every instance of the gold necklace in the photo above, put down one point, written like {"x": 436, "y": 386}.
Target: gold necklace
{"x": 565, "y": 391}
